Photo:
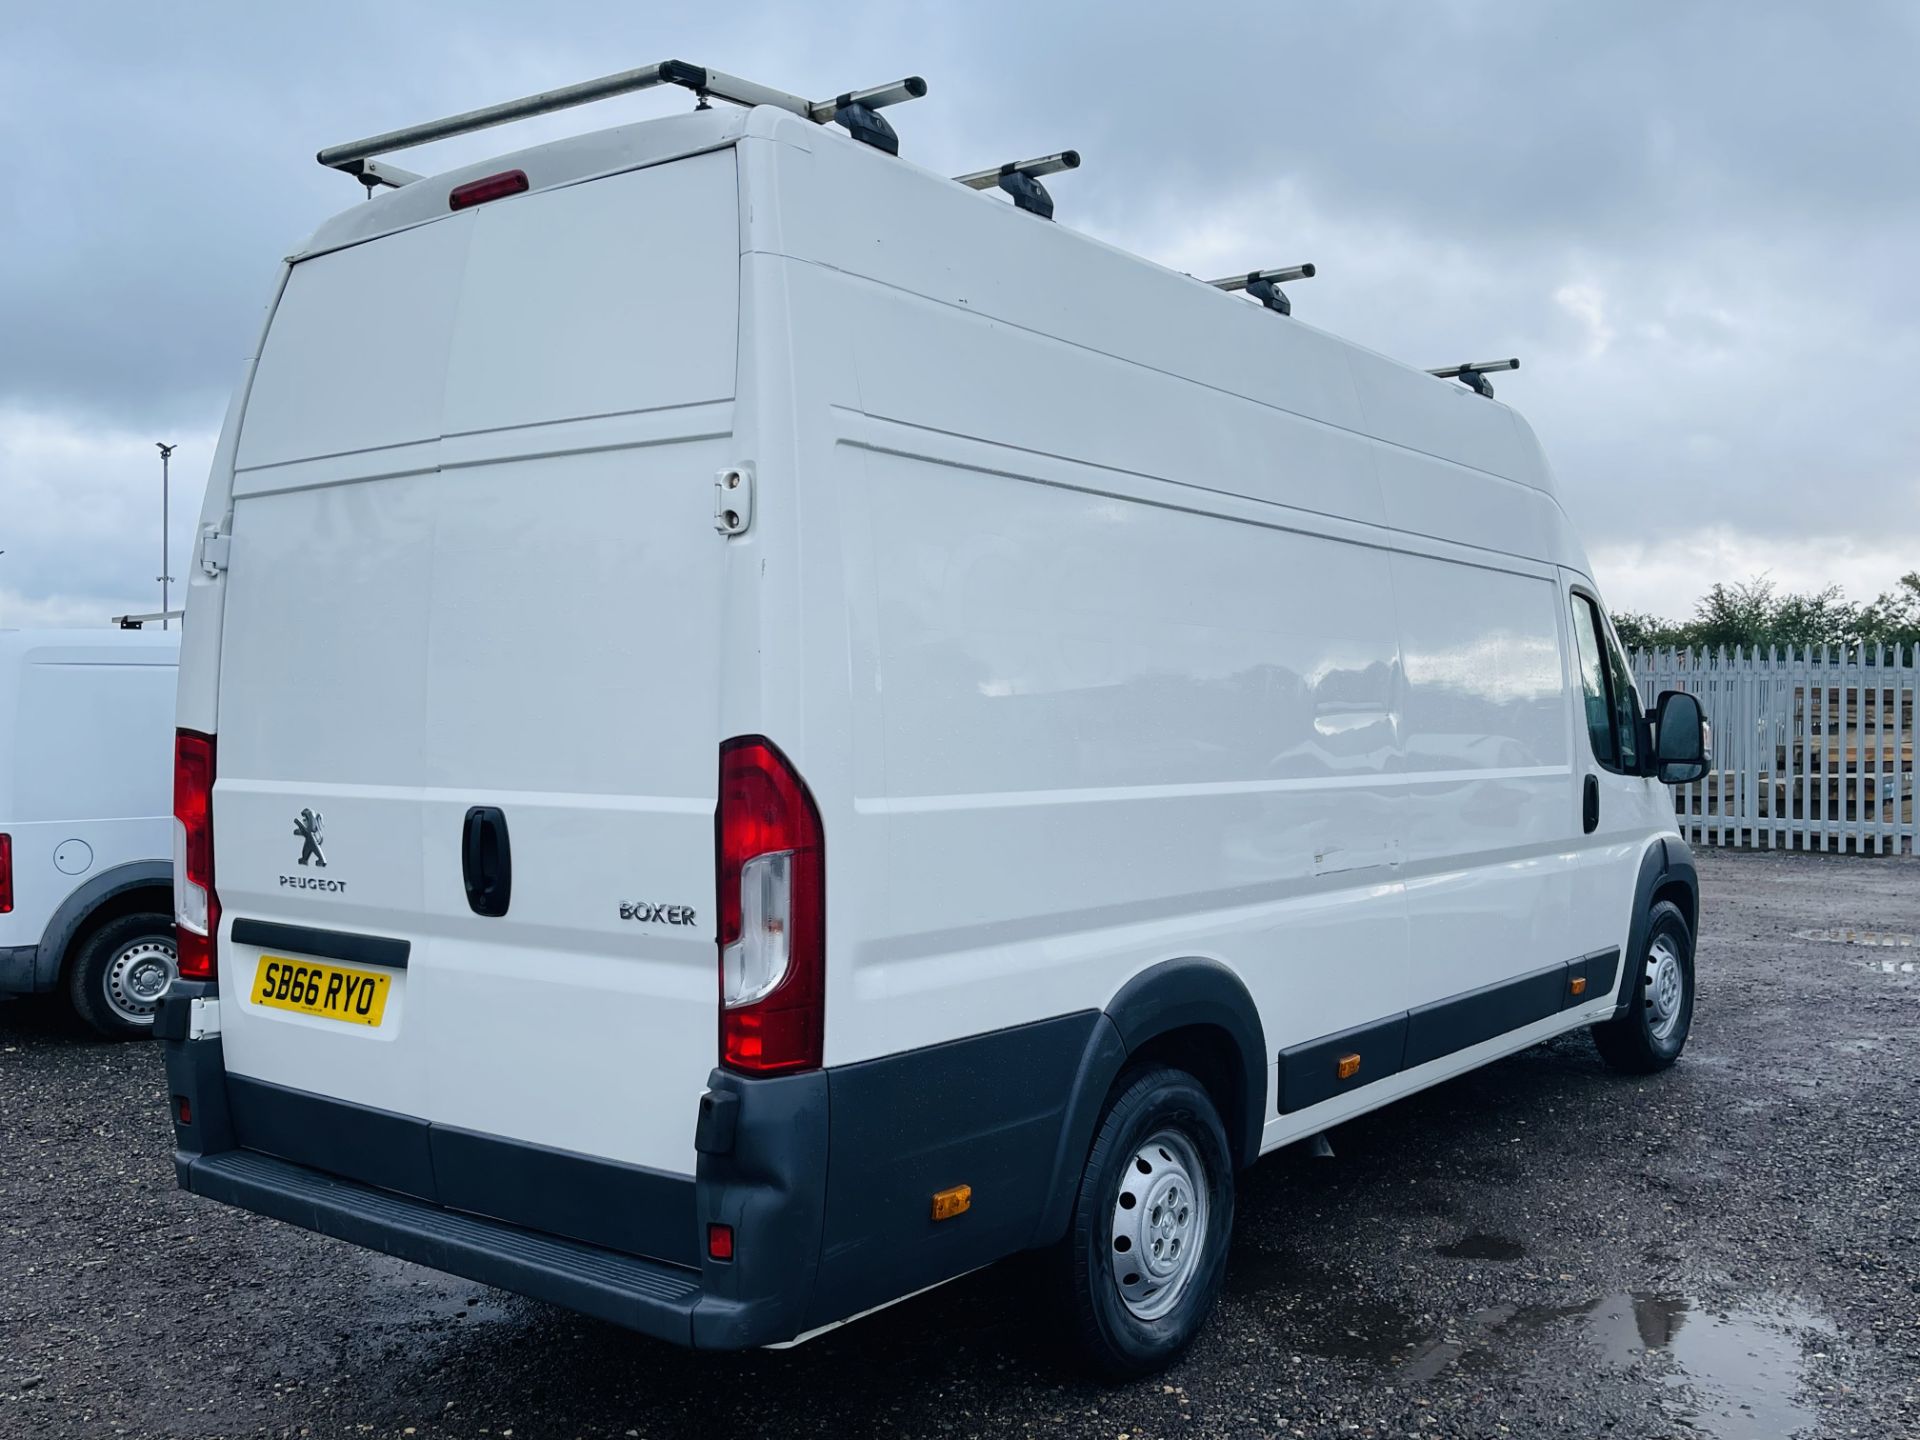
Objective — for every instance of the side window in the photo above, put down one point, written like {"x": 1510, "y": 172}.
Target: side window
{"x": 1626, "y": 706}
{"x": 1593, "y": 681}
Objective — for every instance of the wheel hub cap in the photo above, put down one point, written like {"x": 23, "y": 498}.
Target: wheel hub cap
{"x": 1159, "y": 1224}
{"x": 1665, "y": 989}
{"x": 138, "y": 977}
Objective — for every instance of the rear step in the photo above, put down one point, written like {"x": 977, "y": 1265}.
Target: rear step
{"x": 643, "y": 1295}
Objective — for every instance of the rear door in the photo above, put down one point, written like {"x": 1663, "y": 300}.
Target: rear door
{"x": 474, "y": 567}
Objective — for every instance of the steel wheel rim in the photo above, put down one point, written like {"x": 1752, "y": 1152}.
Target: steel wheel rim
{"x": 1666, "y": 989}
{"x": 137, "y": 977}
{"x": 1159, "y": 1233}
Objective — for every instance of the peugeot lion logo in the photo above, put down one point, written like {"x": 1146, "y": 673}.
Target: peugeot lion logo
{"x": 306, "y": 828}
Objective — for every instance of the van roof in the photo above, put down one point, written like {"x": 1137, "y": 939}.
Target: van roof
{"x": 1419, "y": 412}
{"x": 90, "y": 647}
{"x": 549, "y": 166}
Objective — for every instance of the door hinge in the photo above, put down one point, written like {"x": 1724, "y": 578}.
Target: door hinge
{"x": 213, "y": 551}
{"x": 733, "y": 500}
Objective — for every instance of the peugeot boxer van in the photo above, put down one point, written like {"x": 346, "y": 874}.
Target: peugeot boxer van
{"x": 86, "y": 905}
{"x": 760, "y": 729}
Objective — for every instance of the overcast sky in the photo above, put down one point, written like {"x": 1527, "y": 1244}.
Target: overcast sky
{"x": 1698, "y": 225}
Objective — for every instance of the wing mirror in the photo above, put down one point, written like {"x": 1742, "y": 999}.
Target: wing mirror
{"x": 1682, "y": 739}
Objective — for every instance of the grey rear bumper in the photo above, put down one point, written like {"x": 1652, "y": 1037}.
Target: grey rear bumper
{"x": 644, "y": 1295}
{"x": 826, "y": 1220}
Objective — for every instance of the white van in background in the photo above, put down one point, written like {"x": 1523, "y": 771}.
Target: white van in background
{"x": 761, "y": 729}
{"x": 86, "y": 832}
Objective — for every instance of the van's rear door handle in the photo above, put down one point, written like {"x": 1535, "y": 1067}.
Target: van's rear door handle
{"x": 1590, "y": 805}
{"x": 486, "y": 859}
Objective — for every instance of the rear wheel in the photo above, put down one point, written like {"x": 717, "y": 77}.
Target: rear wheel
{"x": 1147, "y": 1247}
{"x": 1659, "y": 1015}
{"x": 120, "y": 972}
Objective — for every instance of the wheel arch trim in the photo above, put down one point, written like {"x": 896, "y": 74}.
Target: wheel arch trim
{"x": 74, "y": 913}
{"x": 1665, "y": 867}
{"x": 1173, "y": 995}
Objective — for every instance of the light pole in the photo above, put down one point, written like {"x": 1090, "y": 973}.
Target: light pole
{"x": 166, "y": 454}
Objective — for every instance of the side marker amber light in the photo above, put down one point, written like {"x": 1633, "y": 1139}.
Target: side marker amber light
{"x": 1578, "y": 985}
{"x": 1347, "y": 1066}
{"x": 952, "y": 1201}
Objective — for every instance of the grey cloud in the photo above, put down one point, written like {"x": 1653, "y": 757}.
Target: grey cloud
{"x": 1734, "y": 193}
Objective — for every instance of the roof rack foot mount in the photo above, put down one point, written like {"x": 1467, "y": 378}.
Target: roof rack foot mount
{"x": 1021, "y": 180}
{"x": 858, "y": 113}
{"x": 854, "y": 109}
{"x": 1474, "y": 374}
{"x": 1264, "y": 285}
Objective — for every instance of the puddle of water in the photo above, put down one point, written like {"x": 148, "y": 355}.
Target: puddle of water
{"x": 1846, "y": 936}
{"x": 1736, "y": 1373}
{"x": 1477, "y": 1246}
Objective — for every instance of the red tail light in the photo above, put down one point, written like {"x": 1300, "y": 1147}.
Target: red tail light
{"x": 196, "y": 908}
{"x": 770, "y": 859}
{"x": 493, "y": 187}
{"x": 6, "y": 873}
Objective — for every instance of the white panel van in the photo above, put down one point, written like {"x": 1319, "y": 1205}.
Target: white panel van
{"x": 86, "y": 909}
{"x": 760, "y": 729}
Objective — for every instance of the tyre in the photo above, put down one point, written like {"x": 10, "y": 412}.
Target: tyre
{"x": 120, "y": 972}
{"x": 1147, "y": 1246}
{"x": 1653, "y": 1031}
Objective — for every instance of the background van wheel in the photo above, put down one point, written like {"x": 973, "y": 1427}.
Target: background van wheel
{"x": 1147, "y": 1246}
{"x": 120, "y": 972}
{"x": 1651, "y": 1035}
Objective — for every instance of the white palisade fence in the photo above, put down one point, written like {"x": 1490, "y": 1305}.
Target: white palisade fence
{"x": 1813, "y": 750}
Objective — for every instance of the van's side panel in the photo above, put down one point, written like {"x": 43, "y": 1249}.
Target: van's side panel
{"x": 1055, "y": 558}
{"x": 1045, "y": 579}
{"x": 1038, "y": 646}
{"x": 1483, "y": 722}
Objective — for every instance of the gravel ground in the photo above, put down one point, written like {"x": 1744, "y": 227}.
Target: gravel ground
{"x": 1730, "y": 1249}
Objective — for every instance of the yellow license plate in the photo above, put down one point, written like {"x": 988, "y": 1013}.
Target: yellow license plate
{"x": 332, "y": 992}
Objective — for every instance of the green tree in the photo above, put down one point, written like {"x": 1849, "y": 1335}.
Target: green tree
{"x": 1894, "y": 618}
{"x": 1755, "y": 615}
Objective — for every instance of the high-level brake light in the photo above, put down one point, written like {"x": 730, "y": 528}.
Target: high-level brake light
{"x": 196, "y": 908}
{"x": 492, "y": 187}
{"x": 770, "y": 867}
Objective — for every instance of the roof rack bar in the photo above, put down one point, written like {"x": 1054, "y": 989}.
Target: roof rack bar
{"x": 134, "y": 622}
{"x": 354, "y": 156}
{"x": 722, "y": 86}
{"x": 344, "y": 157}
{"x": 1275, "y": 277}
{"x": 1021, "y": 180}
{"x": 1473, "y": 375}
{"x": 1264, "y": 285}
{"x": 1044, "y": 165}
{"x": 878, "y": 98}
{"x": 858, "y": 111}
